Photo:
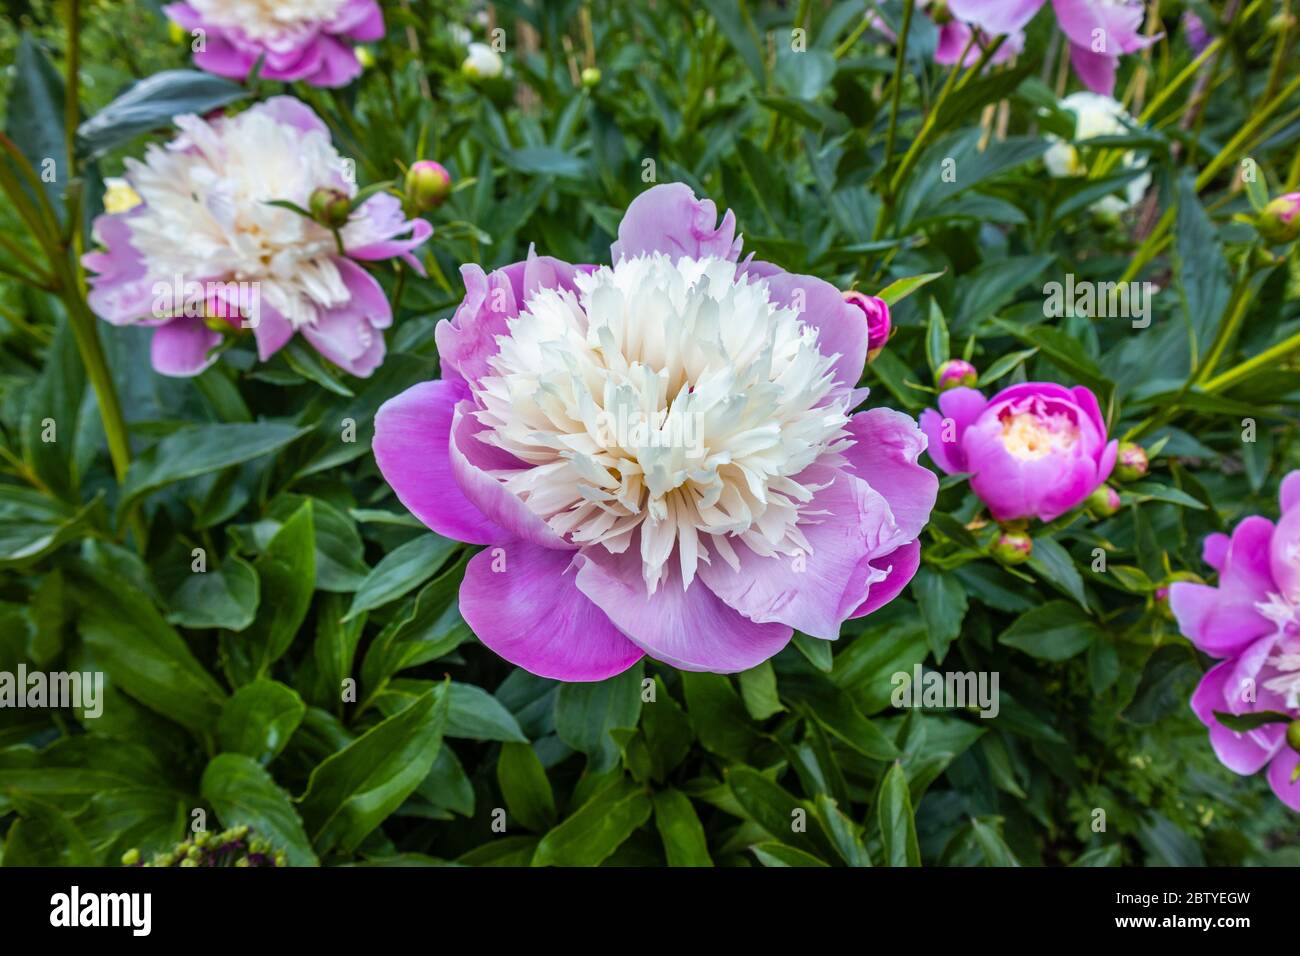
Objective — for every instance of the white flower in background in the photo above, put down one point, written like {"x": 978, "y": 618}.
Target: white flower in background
{"x": 483, "y": 62}
{"x": 460, "y": 34}
{"x": 1097, "y": 115}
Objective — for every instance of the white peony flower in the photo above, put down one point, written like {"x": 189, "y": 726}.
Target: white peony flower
{"x": 483, "y": 62}
{"x": 1097, "y": 115}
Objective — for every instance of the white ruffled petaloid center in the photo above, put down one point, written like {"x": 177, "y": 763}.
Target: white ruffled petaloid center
{"x": 676, "y": 400}
{"x": 207, "y": 214}
{"x": 267, "y": 19}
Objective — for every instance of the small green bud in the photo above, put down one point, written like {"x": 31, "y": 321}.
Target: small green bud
{"x": 131, "y": 858}
{"x": 428, "y": 185}
{"x": 955, "y": 372}
{"x": 1013, "y": 547}
{"x": 330, "y": 207}
{"x": 1293, "y": 735}
{"x": 590, "y": 77}
{"x": 1103, "y": 502}
{"x": 1279, "y": 222}
{"x": 1131, "y": 462}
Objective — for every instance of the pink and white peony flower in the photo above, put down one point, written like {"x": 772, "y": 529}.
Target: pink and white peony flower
{"x": 308, "y": 40}
{"x": 1251, "y": 621}
{"x": 1098, "y": 31}
{"x": 205, "y": 224}
{"x": 661, "y": 453}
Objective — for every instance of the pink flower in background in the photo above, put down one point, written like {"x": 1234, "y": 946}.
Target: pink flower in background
{"x": 954, "y": 35}
{"x": 661, "y": 454}
{"x": 205, "y": 251}
{"x": 1251, "y": 622}
{"x": 1033, "y": 450}
{"x": 308, "y": 40}
{"x": 1098, "y": 31}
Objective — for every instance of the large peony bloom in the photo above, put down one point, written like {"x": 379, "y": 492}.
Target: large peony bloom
{"x": 1096, "y": 115}
{"x": 1033, "y": 450}
{"x": 205, "y": 223}
{"x": 954, "y": 37}
{"x": 304, "y": 40}
{"x": 1098, "y": 31}
{"x": 1251, "y": 621}
{"x": 662, "y": 454}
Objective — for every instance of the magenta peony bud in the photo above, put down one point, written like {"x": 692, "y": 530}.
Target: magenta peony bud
{"x": 954, "y": 373}
{"x": 1103, "y": 502}
{"x": 1131, "y": 463}
{"x": 1013, "y": 547}
{"x": 330, "y": 207}
{"x": 1280, "y": 221}
{"x": 876, "y": 311}
{"x": 428, "y": 185}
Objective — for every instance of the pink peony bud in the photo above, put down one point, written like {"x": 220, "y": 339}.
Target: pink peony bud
{"x": 1131, "y": 463}
{"x": 1013, "y": 547}
{"x": 954, "y": 373}
{"x": 428, "y": 185}
{"x": 1103, "y": 502}
{"x": 1280, "y": 221}
{"x": 876, "y": 311}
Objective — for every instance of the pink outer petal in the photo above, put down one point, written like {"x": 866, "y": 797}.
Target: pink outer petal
{"x": 471, "y": 460}
{"x": 122, "y": 292}
{"x": 1246, "y": 576}
{"x": 1214, "y": 549}
{"x": 294, "y": 112}
{"x": 996, "y": 16}
{"x": 349, "y": 335}
{"x": 962, "y": 405}
{"x": 840, "y": 327}
{"x": 533, "y": 615}
{"x": 1216, "y": 625}
{"x": 359, "y": 20}
{"x": 412, "y": 447}
{"x": 373, "y": 233}
{"x": 899, "y": 567}
{"x": 224, "y": 58}
{"x": 469, "y": 339}
{"x": 690, "y": 629}
{"x": 1279, "y": 777}
{"x": 1096, "y": 70}
{"x": 338, "y": 65}
{"x": 668, "y": 218}
{"x": 817, "y": 595}
{"x": 1241, "y": 753}
{"x": 1289, "y": 492}
{"x": 888, "y": 444}
{"x": 1284, "y": 555}
{"x": 1117, "y": 26}
{"x": 272, "y": 332}
{"x": 180, "y": 347}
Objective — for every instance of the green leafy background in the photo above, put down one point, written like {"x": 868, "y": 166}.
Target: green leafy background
{"x": 223, "y": 688}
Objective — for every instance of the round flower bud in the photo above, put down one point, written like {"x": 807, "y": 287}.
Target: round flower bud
{"x": 330, "y": 207}
{"x": 428, "y": 185}
{"x": 939, "y": 12}
{"x": 483, "y": 63}
{"x": 590, "y": 77}
{"x": 176, "y": 33}
{"x": 1280, "y": 221}
{"x": 1131, "y": 463}
{"x": 955, "y": 372}
{"x": 876, "y": 313}
{"x": 131, "y": 858}
{"x": 1013, "y": 547}
{"x": 1293, "y": 735}
{"x": 1103, "y": 502}
{"x": 365, "y": 57}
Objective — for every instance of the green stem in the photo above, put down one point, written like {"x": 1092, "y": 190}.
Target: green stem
{"x": 1234, "y": 375}
{"x": 899, "y": 58}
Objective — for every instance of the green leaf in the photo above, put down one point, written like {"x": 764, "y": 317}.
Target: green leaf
{"x": 151, "y": 103}
{"x": 354, "y": 790}
{"x": 844, "y": 834}
{"x": 778, "y": 854}
{"x": 401, "y": 570}
{"x": 586, "y": 713}
{"x": 1141, "y": 491}
{"x": 52, "y": 411}
{"x": 1242, "y": 723}
{"x": 35, "y": 117}
{"x": 774, "y": 809}
{"x": 1055, "y": 566}
{"x": 200, "y": 449}
{"x": 287, "y": 570}
{"x": 477, "y": 715}
{"x": 142, "y": 654}
{"x": 900, "y": 289}
{"x": 226, "y": 597}
{"x": 1055, "y": 631}
{"x": 758, "y": 690}
{"x": 897, "y": 825}
{"x": 524, "y": 785}
{"x": 680, "y": 829}
{"x": 597, "y": 828}
{"x": 942, "y": 601}
{"x": 667, "y": 731}
{"x": 44, "y": 836}
{"x": 818, "y": 651}
{"x": 718, "y": 716}
{"x": 995, "y": 849}
{"x": 243, "y": 794}
{"x": 936, "y": 338}
{"x": 259, "y": 719}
